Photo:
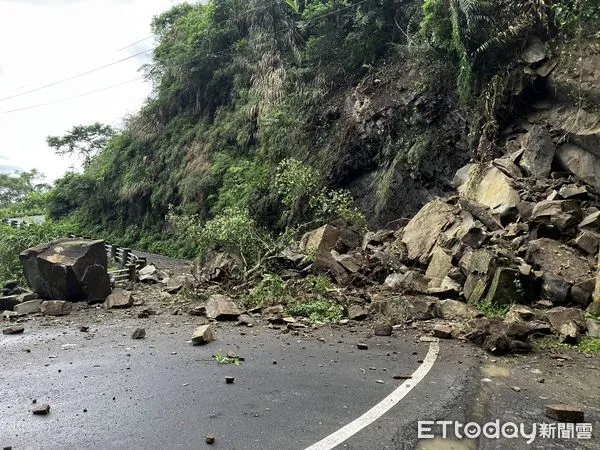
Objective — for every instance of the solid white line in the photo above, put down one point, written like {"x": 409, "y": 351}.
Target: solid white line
{"x": 335, "y": 439}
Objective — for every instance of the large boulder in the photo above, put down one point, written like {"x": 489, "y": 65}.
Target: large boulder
{"x": 559, "y": 260}
{"x": 562, "y": 214}
{"x": 220, "y": 307}
{"x": 320, "y": 244}
{"x": 580, "y": 163}
{"x": 422, "y": 232}
{"x": 495, "y": 190}
{"x": 539, "y": 153}
{"x": 69, "y": 269}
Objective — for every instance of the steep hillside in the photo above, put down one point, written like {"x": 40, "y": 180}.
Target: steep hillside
{"x": 269, "y": 115}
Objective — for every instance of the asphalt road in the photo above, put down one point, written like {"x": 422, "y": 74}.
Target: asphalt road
{"x": 109, "y": 391}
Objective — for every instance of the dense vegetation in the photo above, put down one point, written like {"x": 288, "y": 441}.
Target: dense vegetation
{"x": 258, "y": 127}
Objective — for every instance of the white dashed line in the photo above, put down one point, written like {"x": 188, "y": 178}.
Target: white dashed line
{"x": 335, "y": 439}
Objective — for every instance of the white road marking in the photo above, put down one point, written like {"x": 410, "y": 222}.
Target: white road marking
{"x": 336, "y": 438}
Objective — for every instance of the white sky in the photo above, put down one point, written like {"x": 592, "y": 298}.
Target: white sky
{"x": 42, "y": 41}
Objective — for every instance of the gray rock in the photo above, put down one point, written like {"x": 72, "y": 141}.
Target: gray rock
{"x": 555, "y": 288}
{"x": 519, "y": 314}
{"x": 462, "y": 176}
{"x": 13, "y": 330}
{"x": 442, "y": 331}
{"x": 203, "y": 335}
{"x": 273, "y": 310}
{"x": 480, "y": 269}
{"x": 535, "y": 51}
{"x": 356, "y": 312}
{"x": 150, "y": 269}
{"x": 525, "y": 210}
{"x": 591, "y": 222}
{"x": 495, "y": 190}
{"x": 95, "y": 283}
{"x": 506, "y": 287}
{"x": 553, "y": 257}
{"x": 581, "y": 293}
{"x": 348, "y": 262}
{"x": 569, "y": 333}
{"x": 424, "y": 308}
{"x": 454, "y": 309}
{"x": 394, "y": 280}
{"x": 119, "y": 298}
{"x": 57, "y": 269}
{"x": 138, "y": 333}
{"x": 508, "y": 167}
{"x": 593, "y": 327}
{"x": 175, "y": 284}
{"x": 221, "y": 307}
{"x": 423, "y": 230}
{"x": 320, "y": 241}
{"x": 573, "y": 191}
{"x": 27, "y": 296}
{"x": 383, "y": 329}
{"x": 41, "y": 410}
{"x": 539, "y": 153}
{"x": 56, "y": 308}
{"x": 560, "y": 315}
{"x": 562, "y": 214}
{"x": 580, "y": 163}
{"x": 439, "y": 267}
{"x": 29, "y": 307}
{"x": 588, "y": 241}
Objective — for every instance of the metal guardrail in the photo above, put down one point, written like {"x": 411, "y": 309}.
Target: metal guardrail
{"x": 128, "y": 264}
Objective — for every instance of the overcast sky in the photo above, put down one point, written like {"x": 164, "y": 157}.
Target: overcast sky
{"x": 43, "y": 41}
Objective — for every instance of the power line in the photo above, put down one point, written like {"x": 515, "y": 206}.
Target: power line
{"x": 64, "y": 80}
{"x": 146, "y": 51}
{"x": 72, "y": 97}
{"x": 136, "y": 42}
{"x": 54, "y": 83}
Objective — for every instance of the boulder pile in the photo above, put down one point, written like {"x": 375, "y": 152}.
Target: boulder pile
{"x": 523, "y": 230}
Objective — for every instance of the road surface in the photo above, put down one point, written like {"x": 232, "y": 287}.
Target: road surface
{"x": 109, "y": 391}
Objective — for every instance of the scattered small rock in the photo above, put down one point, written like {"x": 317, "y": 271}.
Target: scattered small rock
{"x": 119, "y": 298}
{"x": 41, "y": 410}
{"x": 210, "y": 439}
{"x": 84, "y": 328}
{"x": 402, "y": 377}
{"x": 442, "y": 331}
{"x": 229, "y": 380}
{"x": 362, "y": 346}
{"x": 203, "y": 335}
{"x": 13, "y": 330}
{"x": 245, "y": 319}
{"x": 56, "y": 308}
{"x": 565, "y": 413}
{"x": 384, "y": 329}
{"x": 139, "y": 333}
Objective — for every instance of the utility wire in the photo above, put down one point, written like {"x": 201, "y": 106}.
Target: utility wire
{"x": 64, "y": 80}
{"x": 146, "y": 51}
{"x": 72, "y": 97}
{"x": 54, "y": 83}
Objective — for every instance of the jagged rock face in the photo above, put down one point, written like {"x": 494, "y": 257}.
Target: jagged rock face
{"x": 67, "y": 269}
